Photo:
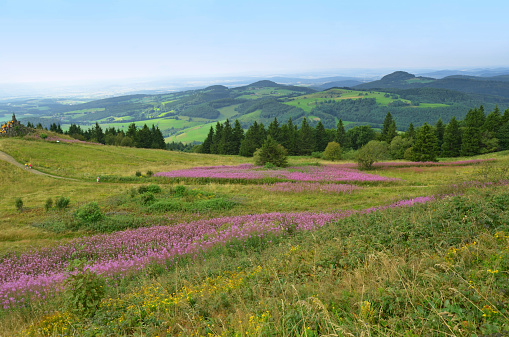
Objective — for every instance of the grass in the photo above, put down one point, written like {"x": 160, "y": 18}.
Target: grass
{"x": 436, "y": 269}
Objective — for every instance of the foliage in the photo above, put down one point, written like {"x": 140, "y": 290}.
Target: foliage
{"x": 370, "y": 153}
{"x": 138, "y": 173}
{"x": 18, "y": 202}
{"x": 62, "y": 202}
{"x": 84, "y": 290}
{"x": 425, "y": 147}
{"x": 89, "y": 212}
{"x": 332, "y": 151}
{"x": 48, "y": 204}
{"x": 271, "y": 152}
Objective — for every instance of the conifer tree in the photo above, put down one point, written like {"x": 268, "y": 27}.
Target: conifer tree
{"x": 207, "y": 143}
{"x": 144, "y": 137}
{"x": 238, "y": 136}
{"x": 341, "y": 136}
{"x": 425, "y": 145}
{"x": 226, "y": 143}
{"x": 471, "y": 138}
{"x": 451, "y": 145}
{"x": 274, "y": 130}
{"x": 321, "y": 139}
{"x": 306, "y": 139}
{"x": 389, "y": 129}
{"x": 215, "y": 148}
{"x": 493, "y": 122}
{"x": 289, "y": 137}
{"x": 410, "y": 133}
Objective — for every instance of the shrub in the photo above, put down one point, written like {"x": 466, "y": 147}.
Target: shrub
{"x": 44, "y": 136}
{"x": 89, "y": 212}
{"x": 271, "y": 152}
{"x": 142, "y": 189}
{"x": 370, "y": 153}
{"x": 62, "y": 202}
{"x": 147, "y": 198}
{"x": 154, "y": 188}
{"x": 180, "y": 191}
{"x": 49, "y": 204}
{"x": 316, "y": 154}
{"x": 149, "y": 173}
{"x": 138, "y": 173}
{"x": 85, "y": 291}
{"x": 19, "y": 204}
{"x": 332, "y": 151}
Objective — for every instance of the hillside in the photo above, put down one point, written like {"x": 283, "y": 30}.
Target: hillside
{"x": 228, "y": 249}
{"x": 188, "y": 115}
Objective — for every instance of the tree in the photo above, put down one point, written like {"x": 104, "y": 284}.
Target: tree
{"x": 389, "y": 129}
{"x": 451, "y": 145}
{"x": 215, "y": 148}
{"x": 306, "y": 139}
{"x": 274, "y": 130}
{"x": 226, "y": 142}
{"x": 321, "y": 138}
{"x": 254, "y": 138}
{"x": 205, "y": 147}
{"x": 410, "y": 133}
{"x": 289, "y": 137}
{"x": 425, "y": 145}
{"x": 341, "y": 137}
{"x": 471, "y": 138}
{"x": 271, "y": 152}
{"x": 332, "y": 151}
{"x": 398, "y": 147}
{"x": 144, "y": 137}
{"x": 503, "y": 136}
{"x": 361, "y": 135}
{"x": 238, "y": 136}
{"x": 370, "y": 153}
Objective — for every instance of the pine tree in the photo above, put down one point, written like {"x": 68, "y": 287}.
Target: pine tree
{"x": 227, "y": 146}
{"x": 503, "y": 136}
{"x": 410, "y": 133}
{"x": 271, "y": 152}
{"x": 493, "y": 122}
{"x": 306, "y": 139}
{"x": 471, "y": 140}
{"x": 389, "y": 129}
{"x": 274, "y": 130}
{"x": 97, "y": 134}
{"x": 144, "y": 138}
{"x": 205, "y": 147}
{"x": 341, "y": 137}
{"x": 425, "y": 146}
{"x": 254, "y": 138}
{"x": 289, "y": 137}
{"x": 215, "y": 148}
{"x": 238, "y": 136}
{"x": 451, "y": 145}
{"x": 321, "y": 139}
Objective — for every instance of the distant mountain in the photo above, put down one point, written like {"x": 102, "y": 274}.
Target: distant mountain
{"x": 487, "y": 87}
{"x": 471, "y": 72}
{"x": 338, "y": 84}
{"x": 315, "y": 82}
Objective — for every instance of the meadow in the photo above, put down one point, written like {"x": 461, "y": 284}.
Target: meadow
{"x": 183, "y": 244}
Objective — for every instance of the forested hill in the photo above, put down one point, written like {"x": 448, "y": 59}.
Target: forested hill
{"x": 188, "y": 115}
{"x": 495, "y": 89}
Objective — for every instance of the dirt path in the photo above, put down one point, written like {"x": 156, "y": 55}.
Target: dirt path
{"x": 5, "y": 157}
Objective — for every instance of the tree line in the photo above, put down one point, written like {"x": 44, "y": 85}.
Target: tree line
{"x": 478, "y": 133}
{"x": 145, "y": 137}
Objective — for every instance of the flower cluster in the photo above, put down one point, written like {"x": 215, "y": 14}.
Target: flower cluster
{"x": 420, "y": 163}
{"x": 310, "y": 187}
{"x": 40, "y": 273}
{"x": 251, "y": 172}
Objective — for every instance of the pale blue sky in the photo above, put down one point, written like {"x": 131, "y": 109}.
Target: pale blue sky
{"x": 50, "y": 40}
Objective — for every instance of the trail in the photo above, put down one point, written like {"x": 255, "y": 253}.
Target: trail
{"x": 5, "y": 157}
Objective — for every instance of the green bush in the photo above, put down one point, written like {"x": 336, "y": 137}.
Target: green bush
{"x": 370, "y": 153}
{"x": 89, "y": 212}
{"x": 147, "y": 198}
{"x": 180, "y": 191}
{"x": 316, "y": 154}
{"x": 138, "y": 173}
{"x": 62, "y": 202}
{"x": 271, "y": 152}
{"x": 49, "y": 204}
{"x": 149, "y": 173}
{"x": 154, "y": 189}
{"x": 19, "y": 204}
{"x": 142, "y": 189}
{"x": 332, "y": 151}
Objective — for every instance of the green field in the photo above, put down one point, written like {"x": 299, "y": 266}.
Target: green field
{"x": 438, "y": 268}
{"x": 308, "y": 102}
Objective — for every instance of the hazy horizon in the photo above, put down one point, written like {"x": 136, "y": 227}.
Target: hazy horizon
{"x": 63, "y": 41}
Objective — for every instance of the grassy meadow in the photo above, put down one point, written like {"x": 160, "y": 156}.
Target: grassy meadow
{"x": 423, "y": 254}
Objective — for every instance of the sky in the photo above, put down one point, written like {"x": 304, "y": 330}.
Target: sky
{"x": 75, "y": 40}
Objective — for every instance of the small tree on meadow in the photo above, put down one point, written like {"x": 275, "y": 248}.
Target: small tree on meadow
{"x": 332, "y": 151}
{"x": 370, "y": 153}
{"x": 271, "y": 152}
